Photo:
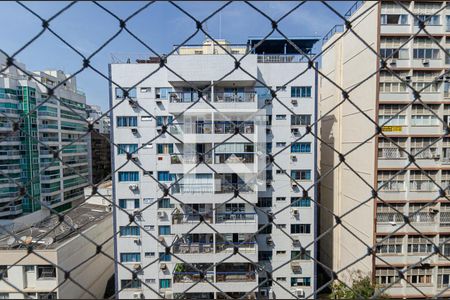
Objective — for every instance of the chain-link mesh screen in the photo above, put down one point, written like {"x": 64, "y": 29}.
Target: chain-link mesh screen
{"x": 283, "y": 240}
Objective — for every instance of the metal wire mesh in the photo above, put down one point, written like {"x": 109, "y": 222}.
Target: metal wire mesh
{"x": 400, "y": 273}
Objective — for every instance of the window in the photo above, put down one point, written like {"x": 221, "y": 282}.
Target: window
{"x": 163, "y": 120}
{"x": 4, "y": 295}
{"x": 46, "y": 272}
{"x": 419, "y": 276}
{"x": 302, "y": 120}
{"x": 390, "y": 213}
{"x": 164, "y": 203}
{"x": 386, "y": 276}
{"x": 130, "y": 257}
{"x": 394, "y": 47}
{"x": 149, "y": 254}
{"x": 280, "y": 117}
{"x": 297, "y": 255}
{"x": 301, "y": 174}
{"x": 164, "y": 257}
{"x": 128, "y": 176}
{"x": 300, "y": 202}
{"x": 264, "y": 202}
{"x": 433, "y": 20}
{"x": 164, "y": 283}
{"x": 280, "y": 144}
{"x": 126, "y": 148}
{"x": 390, "y": 245}
{"x": 146, "y": 89}
{"x": 281, "y": 252}
{"x": 390, "y": 181}
{"x": 4, "y": 271}
{"x": 443, "y": 279}
{"x": 49, "y": 295}
{"x": 165, "y": 176}
{"x": 300, "y": 228}
{"x": 300, "y": 281}
{"x": 129, "y": 203}
{"x": 129, "y": 231}
{"x": 390, "y": 83}
{"x": 394, "y": 19}
{"x": 419, "y": 244}
{"x": 162, "y": 93}
{"x": 149, "y": 227}
{"x": 130, "y": 284}
{"x": 301, "y": 91}
{"x": 164, "y": 230}
{"x": 164, "y": 148}
{"x": 150, "y": 280}
{"x": 425, "y": 48}
{"x": 301, "y": 147}
{"x": 146, "y": 118}
{"x": 280, "y": 198}
{"x": 126, "y": 121}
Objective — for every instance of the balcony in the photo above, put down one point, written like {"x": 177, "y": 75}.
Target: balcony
{"x": 235, "y": 217}
{"x": 186, "y": 97}
{"x": 234, "y": 97}
{"x": 189, "y": 158}
{"x": 191, "y": 218}
{"x": 234, "y": 158}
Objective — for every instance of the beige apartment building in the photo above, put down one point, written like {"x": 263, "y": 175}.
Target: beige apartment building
{"x": 374, "y": 160}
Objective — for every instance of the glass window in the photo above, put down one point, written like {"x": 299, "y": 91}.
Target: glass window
{"x": 164, "y": 283}
{"x": 301, "y": 147}
{"x": 301, "y": 120}
{"x": 164, "y": 257}
{"x": 164, "y": 148}
{"x": 130, "y": 257}
{"x": 126, "y": 121}
{"x": 130, "y": 284}
{"x": 46, "y": 272}
{"x": 126, "y": 148}
{"x": 164, "y": 203}
{"x": 130, "y": 231}
{"x": 300, "y": 202}
{"x": 301, "y": 91}
{"x": 164, "y": 230}
{"x": 301, "y": 174}
{"x": 128, "y": 176}
{"x": 129, "y": 203}
{"x": 165, "y": 176}
{"x": 300, "y": 228}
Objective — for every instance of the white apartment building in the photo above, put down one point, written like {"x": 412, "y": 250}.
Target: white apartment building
{"x": 409, "y": 126}
{"x": 211, "y": 156}
{"x": 58, "y": 248}
{"x": 56, "y": 123}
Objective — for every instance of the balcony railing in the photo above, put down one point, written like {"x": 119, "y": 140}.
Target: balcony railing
{"x": 235, "y": 217}
{"x": 233, "y": 276}
{"x": 235, "y": 97}
{"x": 234, "y": 158}
{"x": 227, "y": 187}
{"x": 391, "y": 153}
{"x": 229, "y": 127}
{"x": 244, "y": 247}
{"x": 186, "y": 97}
{"x": 281, "y": 58}
{"x": 189, "y": 158}
{"x": 190, "y": 277}
{"x": 183, "y": 218}
{"x": 193, "y": 188}
{"x": 193, "y": 248}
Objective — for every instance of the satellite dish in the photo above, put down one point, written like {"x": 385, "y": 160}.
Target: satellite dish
{"x": 11, "y": 241}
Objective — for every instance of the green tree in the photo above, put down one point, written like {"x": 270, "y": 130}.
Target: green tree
{"x": 361, "y": 287}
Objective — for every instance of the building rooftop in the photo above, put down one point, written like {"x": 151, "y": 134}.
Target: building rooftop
{"x": 282, "y": 46}
{"x": 50, "y": 233}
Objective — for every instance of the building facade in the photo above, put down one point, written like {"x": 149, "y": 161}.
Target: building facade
{"x": 50, "y": 132}
{"x": 58, "y": 248}
{"x": 405, "y": 191}
{"x": 196, "y": 180}
{"x": 98, "y": 144}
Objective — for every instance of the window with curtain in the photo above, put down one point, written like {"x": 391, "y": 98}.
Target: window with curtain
{"x": 126, "y": 148}
{"x": 129, "y": 203}
{"x": 165, "y": 176}
{"x": 128, "y": 176}
{"x": 126, "y": 121}
{"x": 301, "y": 147}
{"x": 130, "y": 284}
{"x": 394, "y": 19}
{"x": 164, "y": 148}
{"x": 301, "y": 120}
{"x": 300, "y": 202}
{"x": 164, "y": 203}
{"x": 130, "y": 257}
{"x": 164, "y": 283}
{"x": 164, "y": 257}
{"x": 300, "y": 228}
{"x": 129, "y": 231}
{"x": 162, "y": 93}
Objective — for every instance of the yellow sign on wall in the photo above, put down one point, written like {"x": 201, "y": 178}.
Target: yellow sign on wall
{"x": 392, "y": 128}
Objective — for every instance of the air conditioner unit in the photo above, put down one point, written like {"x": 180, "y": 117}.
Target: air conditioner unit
{"x": 268, "y": 130}
{"x": 294, "y": 158}
{"x": 268, "y": 101}
{"x": 269, "y": 240}
{"x": 137, "y": 212}
{"x": 161, "y": 214}
{"x": 269, "y": 182}
{"x": 408, "y": 78}
{"x": 133, "y": 103}
{"x": 425, "y": 261}
{"x": 137, "y": 241}
{"x": 133, "y": 187}
{"x": 137, "y": 266}
{"x": 163, "y": 267}
{"x": 393, "y": 223}
{"x": 294, "y": 101}
{"x": 138, "y": 295}
{"x": 295, "y": 213}
{"x": 134, "y": 130}
{"x": 425, "y": 61}
{"x": 295, "y": 266}
{"x": 294, "y": 185}
{"x": 296, "y": 243}
{"x": 135, "y": 158}
{"x": 393, "y": 61}
{"x": 300, "y": 293}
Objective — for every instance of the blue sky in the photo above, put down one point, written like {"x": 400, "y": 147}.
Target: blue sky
{"x": 161, "y": 25}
